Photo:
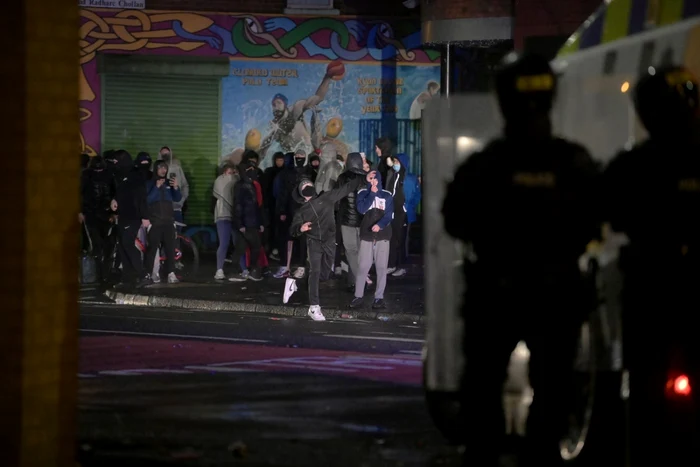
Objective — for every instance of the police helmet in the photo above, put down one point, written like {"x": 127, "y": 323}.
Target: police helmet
{"x": 666, "y": 100}
{"x": 525, "y": 86}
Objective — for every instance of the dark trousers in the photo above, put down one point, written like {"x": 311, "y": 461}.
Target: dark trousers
{"x": 547, "y": 315}
{"x": 321, "y": 256}
{"x": 99, "y": 237}
{"x": 251, "y": 238}
{"x": 396, "y": 246}
{"x": 129, "y": 255}
{"x": 339, "y": 246}
{"x": 164, "y": 235}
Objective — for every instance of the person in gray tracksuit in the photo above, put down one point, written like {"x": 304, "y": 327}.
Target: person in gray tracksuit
{"x": 377, "y": 206}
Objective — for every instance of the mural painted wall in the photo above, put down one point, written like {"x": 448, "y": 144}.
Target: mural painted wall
{"x": 336, "y": 59}
{"x": 273, "y": 107}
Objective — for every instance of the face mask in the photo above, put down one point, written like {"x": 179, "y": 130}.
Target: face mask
{"x": 309, "y": 191}
{"x": 397, "y": 167}
{"x": 299, "y": 162}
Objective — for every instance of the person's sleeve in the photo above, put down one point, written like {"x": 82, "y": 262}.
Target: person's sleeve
{"x": 341, "y": 192}
{"x": 176, "y": 194}
{"x": 297, "y": 222}
{"x": 141, "y": 203}
{"x": 152, "y": 194}
{"x": 364, "y": 200}
{"x": 184, "y": 185}
{"x": 388, "y": 213}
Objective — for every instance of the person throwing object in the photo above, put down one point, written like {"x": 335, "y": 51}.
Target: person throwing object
{"x": 315, "y": 219}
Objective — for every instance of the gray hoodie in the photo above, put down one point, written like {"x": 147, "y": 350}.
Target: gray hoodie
{"x": 176, "y": 168}
{"x": 223, "y": 192}
{"x": 329, "y": 169}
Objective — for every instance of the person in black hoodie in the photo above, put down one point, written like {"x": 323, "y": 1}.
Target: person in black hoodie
{"x": 97, "y": 192}
{"x": 143, "y": 165}
{"x": 130, "y": 204}
{"x": 161, "y": 194}
{"x": 315, "y": 219}
{"x": 268, "y": 186}
{"x": 285, "y": 206}
{"x": 394, "y": 184}
{"x": 348, "y": 216}
{"x": 384, "y": 149}
{"x": 248, "y": 221}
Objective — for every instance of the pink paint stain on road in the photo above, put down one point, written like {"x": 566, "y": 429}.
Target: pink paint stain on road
{"x": 121, "y": 355}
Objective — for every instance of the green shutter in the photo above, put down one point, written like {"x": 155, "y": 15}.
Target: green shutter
{"x": 144, "y": 113}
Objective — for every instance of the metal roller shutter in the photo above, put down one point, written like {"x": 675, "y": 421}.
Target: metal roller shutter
{"x": 146, "y": 112}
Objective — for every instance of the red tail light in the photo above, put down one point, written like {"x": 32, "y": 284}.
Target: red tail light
{"x": 679, "y": 386}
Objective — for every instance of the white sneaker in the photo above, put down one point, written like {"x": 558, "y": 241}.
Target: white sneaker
{"x": 281, "y": 272}
{"x": 315, "y": 313}
{"x": 369, "y": 281}
{"x": 390, "y": 270}
{"x": 299, "y": 273}
{"x": 344, "y": 266}
{"x": 399, "y": 272}
{"x": 290, "y": 286}
{"x": 219, "y": 276}
{"x": 155, "y": 278}
{"x": 242, "y": 277}
{"x": 172, "y": 278}
{"x": 338, "y": 271}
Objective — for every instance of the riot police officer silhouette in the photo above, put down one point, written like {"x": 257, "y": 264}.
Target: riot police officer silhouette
{"x": 526, "y": 204}
{"x": 652, "y": 194}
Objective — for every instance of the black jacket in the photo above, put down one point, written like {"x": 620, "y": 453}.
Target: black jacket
{"x": 387, "y": 148}
{"x": 97, "y": 191}
{"x": 131, "y": 197}
{"x": 246, "y": 210}
{"x": 394, "y": 185}
{"x": 320, "y": 211}
{"x": 347, "y": 207}
{"x": 528, "y": 210}
{"x": 285, "y": 183}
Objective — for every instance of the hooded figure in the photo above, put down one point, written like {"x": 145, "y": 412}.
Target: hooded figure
{"x": 315, "y": 219}
{"x": 384, "y": 148}
{"x": 143, "y": 165}
{"x": 248, "y": 221}
{"x": 268, "y": 179}
{"x": 329, "y": 169}
{"x": 394, "y": 184}
{"x": 174, "y": 168}
{"x": 97, "y": 192}
{"x": 348, "y": 216}
{"x": 130, "y": 204}
{"x": 377, "y": 207}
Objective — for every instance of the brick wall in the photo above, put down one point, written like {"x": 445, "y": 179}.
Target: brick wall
{"x": 346, "y": 7}
{"x": 452, "y": 9}
{"x": 550, "y": 17}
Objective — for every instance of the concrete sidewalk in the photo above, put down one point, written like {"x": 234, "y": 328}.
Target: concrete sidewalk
{"x": 403, "y": 297}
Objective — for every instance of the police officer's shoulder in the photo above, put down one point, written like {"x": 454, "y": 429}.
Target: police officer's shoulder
{"x": 578, "y": 153}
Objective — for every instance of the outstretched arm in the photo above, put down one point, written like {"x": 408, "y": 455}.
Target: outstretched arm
{"x": 301, "y": 106}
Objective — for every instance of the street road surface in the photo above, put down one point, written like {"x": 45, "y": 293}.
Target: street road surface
{"x": 203, "y": 388}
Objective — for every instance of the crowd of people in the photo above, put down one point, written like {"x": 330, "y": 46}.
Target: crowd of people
{"x": 342, "y": 222}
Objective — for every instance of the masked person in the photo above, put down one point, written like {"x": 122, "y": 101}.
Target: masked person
{"x": 533, "y": 210}
{"x": 315, "y": 219}
{"x": 652, "y": 194}
{"x": 97, "y": 191}
{"x": 248, "y": 222}
{"x": 377, "y": 206}
{"x": 132, "y": 210}
{"x": 394, "y": 184}
{"x": 162, "y": 193}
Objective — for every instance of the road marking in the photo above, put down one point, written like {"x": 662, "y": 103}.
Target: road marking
{"x": 159, "y": 319}
{"x": 376, "y": 338}
{"x": 84, "y": 375}
{"x": 140, "y": 372}
{"x": 186, "y": 336}
{"x": 214, "y": 369}
{"x": 412, "y": 352}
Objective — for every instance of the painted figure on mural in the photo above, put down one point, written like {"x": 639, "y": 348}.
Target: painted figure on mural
{"x": 422, "y": 99}
{"x": 288, "y": 127}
